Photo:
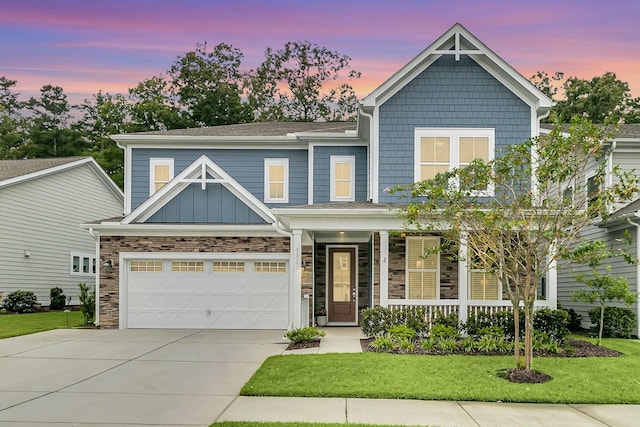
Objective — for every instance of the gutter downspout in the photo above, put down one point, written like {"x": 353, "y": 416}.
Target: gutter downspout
{"x": 370, "y": 153}
{"x": 294, "y": 269}
{"x": 96, "y": 237}
{"x": 610, "y": 164}
{"x": 635, "y": 224}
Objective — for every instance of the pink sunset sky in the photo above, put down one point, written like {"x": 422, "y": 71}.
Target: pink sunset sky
{"x": 89, "y": 45}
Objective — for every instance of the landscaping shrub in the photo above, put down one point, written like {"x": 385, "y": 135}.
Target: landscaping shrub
{"x": 618, "y": 321}
{"x": 87, "y": 303}
{"x": 400, "y": 332}
{"x": 382, "y": 343}
{"x": 575, "y": 320}
{"x": 444, "y": 331}
{"x": 376, "y": 321}
{"x": 450, "y": 320}
{"x": 554, "y": 323}
{"x": 20, "y": 301}
{"x": 58, "y": 299}
{"x": 304, "y": 335}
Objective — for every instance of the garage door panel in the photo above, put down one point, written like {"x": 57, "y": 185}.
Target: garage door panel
{"x": 208, "y": 299}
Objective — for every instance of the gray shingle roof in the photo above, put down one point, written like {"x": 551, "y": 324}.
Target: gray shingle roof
{"x": 15, "y": 168}
{"x": 260, "y": 129}
{"x": 630, "y": 130}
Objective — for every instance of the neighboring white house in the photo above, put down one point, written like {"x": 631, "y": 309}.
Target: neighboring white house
{"x": 42, "y": 203}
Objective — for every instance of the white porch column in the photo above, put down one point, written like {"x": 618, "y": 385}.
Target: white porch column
{"x": 463, "y": 278}
{"x": 552, "y": 279}
{"x": 384, "y": 268}
{"x": 295, "y": 289}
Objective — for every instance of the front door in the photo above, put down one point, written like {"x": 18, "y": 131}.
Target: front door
{"x": 342, "y": 285}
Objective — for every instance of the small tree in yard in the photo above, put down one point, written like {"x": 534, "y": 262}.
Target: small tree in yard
{"x": 518, "y": 213}
{"x": 601, "y": 288}
{"x": 87, "y": 298}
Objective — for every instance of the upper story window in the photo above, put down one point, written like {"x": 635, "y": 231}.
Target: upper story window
{"x": 83, "y": 264}
{"x": 423, "y": 267}
{"x": 439, "y": 150}
{"x": 343, "y": 177}
{"x": 160, "y": 173}
{"x": 276, "y": 180}
{"x": 593, "y": 188}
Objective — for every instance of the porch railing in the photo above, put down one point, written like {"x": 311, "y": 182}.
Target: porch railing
{"x": 464, "y": 309}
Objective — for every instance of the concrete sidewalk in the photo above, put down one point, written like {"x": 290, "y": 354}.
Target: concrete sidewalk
{"x": 428, "y": 413}
{"x": 418, "y": 412}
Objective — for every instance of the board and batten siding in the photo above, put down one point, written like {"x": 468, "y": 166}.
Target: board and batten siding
{"x": 567, "y": 283}
{"x": 321, "y": 171}
{"x": 215, "y": 204}
{"x": 42, "y": 216}
{"x": 245, "y": 166}
{"x": 448, "y": 94}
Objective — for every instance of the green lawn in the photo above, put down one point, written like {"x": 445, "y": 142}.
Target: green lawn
{"x": 473, "y": 378}
{"x": 12, "y": 325}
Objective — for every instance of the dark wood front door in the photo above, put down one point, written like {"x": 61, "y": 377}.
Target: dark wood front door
{"x": 342, "y": 285}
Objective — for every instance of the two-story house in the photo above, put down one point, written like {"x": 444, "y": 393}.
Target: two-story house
{"x": 622, "y": 151}
{"x": 260, "y": 225}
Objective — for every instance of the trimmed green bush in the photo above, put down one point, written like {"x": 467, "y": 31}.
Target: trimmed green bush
{"x": 20, "y": 301}
{"x": 58, "y": 299}
{"x": 304, "y": 335}
{"x": 87, "y": 303}
{"x": 618, "y": 321}
{"x": 376, "y": 321}
{"x": 554, "y": 323}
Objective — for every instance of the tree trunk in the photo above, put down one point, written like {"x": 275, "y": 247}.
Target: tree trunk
{"x": 601, "y": 325}
{"x": 516, "y": 337}
{"x": 528, "y": 335}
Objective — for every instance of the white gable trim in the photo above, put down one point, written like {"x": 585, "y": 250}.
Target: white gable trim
{"x": 480, "y": 53}
{"x": 196, "y": 172}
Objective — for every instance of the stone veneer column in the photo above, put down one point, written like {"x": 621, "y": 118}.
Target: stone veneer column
{"x": 296, "y": 279}
{"x": 384, "y": 268}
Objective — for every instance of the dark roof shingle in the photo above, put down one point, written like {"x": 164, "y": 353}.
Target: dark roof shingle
{"x": 15, "y": 168}
{"x": 627, "y": 130}
{"x": 259, "y": 129}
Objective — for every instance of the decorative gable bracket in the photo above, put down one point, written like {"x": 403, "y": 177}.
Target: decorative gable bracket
{"x": 202, "y": 171}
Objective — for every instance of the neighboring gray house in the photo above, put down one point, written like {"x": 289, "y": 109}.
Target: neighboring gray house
{"x": 261, "y": 225}
{"x": 623, "y": 151}
{"x": 42, "y": 203}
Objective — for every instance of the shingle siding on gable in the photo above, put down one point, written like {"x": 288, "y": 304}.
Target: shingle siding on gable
{"x": 215, "y": 204}
{"x": 321, "y": 171}
{"x": 447, "y": 94}
{"x": 245, "y": 166}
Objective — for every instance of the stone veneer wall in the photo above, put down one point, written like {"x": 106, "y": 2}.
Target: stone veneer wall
{"x": 397, "y": 266}
{"x": 111, "y": 246}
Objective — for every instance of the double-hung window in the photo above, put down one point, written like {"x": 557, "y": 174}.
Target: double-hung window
{"x": 160, "y": 173}
{"x": 342, "y": 178}
{"x": 276, "y": 180}
{"x": 423, "y": 262}
{"x": 483, "y": 284}
{"x": 438, "y": 150}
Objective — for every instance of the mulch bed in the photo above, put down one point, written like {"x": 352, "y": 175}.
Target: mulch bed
{"x": 580, "y": 349}
{"x": 301, "y": 345}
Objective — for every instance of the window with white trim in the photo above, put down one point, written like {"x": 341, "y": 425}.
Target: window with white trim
{"x": 83, "y": 264}
{"x": 483, "y": 285}
{"x": 423, "y": 267}
{"x": 439, "y": 150}
{"x": 343, "y": 178}
{"x": 592, "y": 188}
{"x": 160, "y": 173}
{"x": 276, "y": 180}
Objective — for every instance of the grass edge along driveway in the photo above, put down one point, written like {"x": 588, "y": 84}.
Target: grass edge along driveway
{"x": 292, "y": 424}
{"x": 612, "y": 380}
{"x": 13, "y": 325}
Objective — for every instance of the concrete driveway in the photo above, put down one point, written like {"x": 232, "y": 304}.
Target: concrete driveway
{"x": 132, "y": 377}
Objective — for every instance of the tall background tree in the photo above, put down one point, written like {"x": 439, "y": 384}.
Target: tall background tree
{"x": 303, "y": 81}
{"x": 603, "y": 98}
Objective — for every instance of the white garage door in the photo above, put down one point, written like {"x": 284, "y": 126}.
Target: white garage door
{"x": 207, "y": 294}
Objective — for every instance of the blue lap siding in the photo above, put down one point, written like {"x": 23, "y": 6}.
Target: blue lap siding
{"x": 449, "y": 93}
{"x": 321, "y": 171}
